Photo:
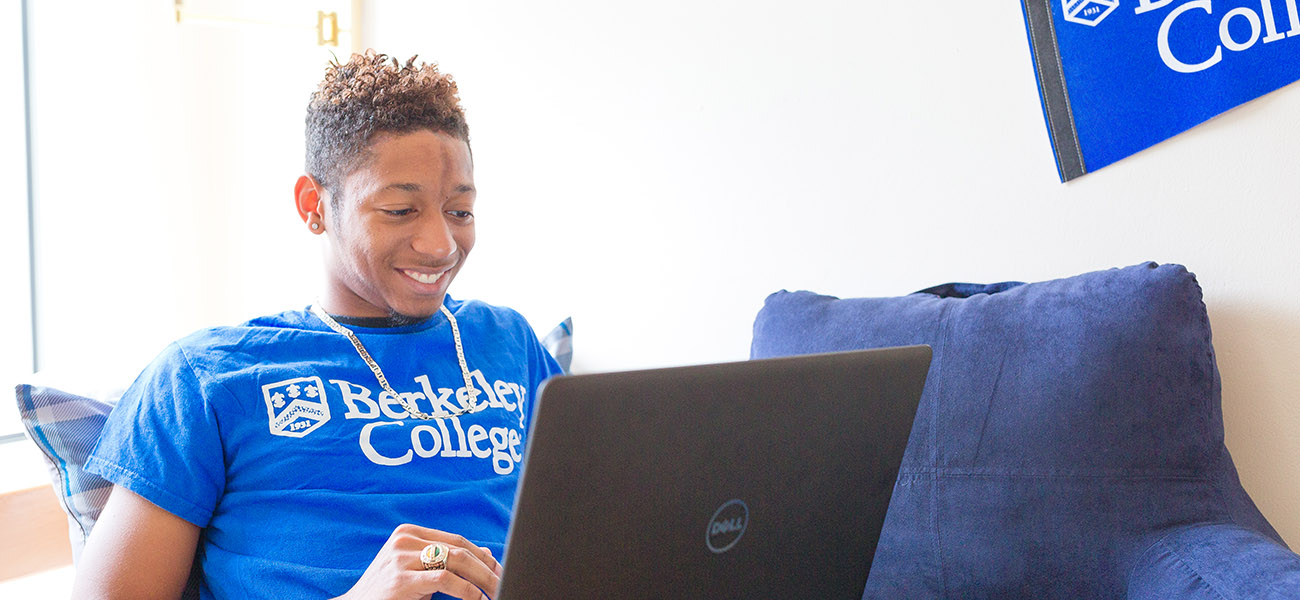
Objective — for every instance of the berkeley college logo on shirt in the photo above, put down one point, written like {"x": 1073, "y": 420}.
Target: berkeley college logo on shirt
{"x": 296, "y": 407}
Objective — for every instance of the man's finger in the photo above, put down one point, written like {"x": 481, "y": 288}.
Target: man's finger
{"x": 467, "y": 560}
{"x": 450, "y": 583}
{"x": 490, "y": 560}
{"x": 466, "y": 563}
{"x": 456, "y": 541}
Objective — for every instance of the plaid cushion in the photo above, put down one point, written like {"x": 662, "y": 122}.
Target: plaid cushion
{"x": 559, "y": 342}
{"x": 65, "y": 426}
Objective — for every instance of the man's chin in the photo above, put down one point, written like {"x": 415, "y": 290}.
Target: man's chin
{"x": 397, "y": 319}
{"x": 413, "y": 314}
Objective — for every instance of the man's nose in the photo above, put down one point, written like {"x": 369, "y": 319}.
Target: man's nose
{"x": 434, "y": 238}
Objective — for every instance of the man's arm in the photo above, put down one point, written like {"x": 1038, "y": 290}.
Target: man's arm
{"x": 136, "y": 550}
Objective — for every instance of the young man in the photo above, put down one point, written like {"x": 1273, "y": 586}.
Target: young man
{"x": 367, "y": 447}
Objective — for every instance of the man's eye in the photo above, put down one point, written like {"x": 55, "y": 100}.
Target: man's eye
{"x": 399, "y": 212}
{"x": 464, "y": 215}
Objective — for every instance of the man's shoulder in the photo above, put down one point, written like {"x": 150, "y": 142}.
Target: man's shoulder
{"x": 482, "y": 315}
{"x": 244, "y": 334}
{"x": 480, "y": 309}
{"x": 289, "y": 319}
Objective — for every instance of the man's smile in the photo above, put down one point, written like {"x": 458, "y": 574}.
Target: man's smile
{"x": 424, "y": 277}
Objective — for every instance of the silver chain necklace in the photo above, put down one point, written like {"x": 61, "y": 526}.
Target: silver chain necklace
{"x": 470, "y": 390}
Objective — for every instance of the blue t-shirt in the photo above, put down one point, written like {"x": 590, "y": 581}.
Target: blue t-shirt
{"x": 277, "y": 439}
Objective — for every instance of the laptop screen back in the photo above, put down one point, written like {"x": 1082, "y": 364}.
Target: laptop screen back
{"x": 758, "y": 479}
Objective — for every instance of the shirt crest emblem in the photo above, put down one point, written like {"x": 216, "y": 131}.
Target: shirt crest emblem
{"x": 1088, "y": 12}
{"x": 296, "y": 407}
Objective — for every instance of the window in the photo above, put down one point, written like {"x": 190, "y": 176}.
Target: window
{"x": 16, "y": 335}
{"x": 161, "y": 165}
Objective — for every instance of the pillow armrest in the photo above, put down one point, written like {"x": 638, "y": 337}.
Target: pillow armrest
{"x": 1219, "y": 561}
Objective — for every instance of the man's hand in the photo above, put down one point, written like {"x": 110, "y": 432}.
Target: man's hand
{"x": 397, "y": 573}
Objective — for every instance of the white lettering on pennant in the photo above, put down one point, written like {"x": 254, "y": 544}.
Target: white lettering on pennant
{"x": 1150, "y": 5}
{"x": 1225, "y": 34}
{"x": 1270, "y": 22}
{"x": 1162, "y": 40}
{"x": 1267, "y": 28}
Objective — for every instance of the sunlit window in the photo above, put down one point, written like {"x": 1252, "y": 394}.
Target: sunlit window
{"x": 15, "y": 271}
{"x": 165, "y": 141}
{"x": 163, "y": 166}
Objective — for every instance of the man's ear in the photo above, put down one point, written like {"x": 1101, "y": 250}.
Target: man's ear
{"x": 309, "y": 198}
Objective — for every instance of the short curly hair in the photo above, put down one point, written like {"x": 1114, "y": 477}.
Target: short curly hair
{"x": 372, "y": 94}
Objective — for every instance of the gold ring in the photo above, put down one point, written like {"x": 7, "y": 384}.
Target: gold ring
{"x": 434, "y": 556}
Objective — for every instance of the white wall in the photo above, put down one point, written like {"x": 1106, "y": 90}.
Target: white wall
{"x": 656, "y": 169}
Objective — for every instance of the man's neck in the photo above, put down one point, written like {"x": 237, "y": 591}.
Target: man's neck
{"x": 379, "y": 322}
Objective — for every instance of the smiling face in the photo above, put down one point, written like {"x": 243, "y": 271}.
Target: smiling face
{"x": 402, "y": 227}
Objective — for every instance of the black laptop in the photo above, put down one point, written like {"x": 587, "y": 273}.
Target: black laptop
{"x": 758, "y": 479}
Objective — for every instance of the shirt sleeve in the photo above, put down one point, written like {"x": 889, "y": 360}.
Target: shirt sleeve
{"x": 162, "y": 441}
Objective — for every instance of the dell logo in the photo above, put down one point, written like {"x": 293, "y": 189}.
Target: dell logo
{"x": 726, "y": 526}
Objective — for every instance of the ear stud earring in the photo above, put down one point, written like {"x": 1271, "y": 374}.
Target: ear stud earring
{"x": 315, "y": 226}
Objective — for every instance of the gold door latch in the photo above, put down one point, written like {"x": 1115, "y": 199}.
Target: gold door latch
{"x": 327, "y": 23}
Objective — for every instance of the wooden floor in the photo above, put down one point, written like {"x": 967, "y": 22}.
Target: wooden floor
{"x": 55, "y": 583}
{"x": 33, "y": 533}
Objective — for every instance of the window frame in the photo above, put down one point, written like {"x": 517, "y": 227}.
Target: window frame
{"x": 17, "y": 330}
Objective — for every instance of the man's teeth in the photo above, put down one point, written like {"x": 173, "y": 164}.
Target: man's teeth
{"x": 423, "y": 277}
